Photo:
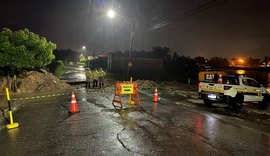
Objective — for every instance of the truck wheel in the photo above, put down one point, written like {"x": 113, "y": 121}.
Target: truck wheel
{"x": 265, "y": 102}
{"x": 207, "y": 102}
{"x": 238, "y": 103}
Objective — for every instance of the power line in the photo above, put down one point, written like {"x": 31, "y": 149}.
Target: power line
{"x": 178, "y": 15}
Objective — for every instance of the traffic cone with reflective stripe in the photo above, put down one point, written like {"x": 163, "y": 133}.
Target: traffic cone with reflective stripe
{"x": 155, "y": 98}
{"x": 73, "y": 105}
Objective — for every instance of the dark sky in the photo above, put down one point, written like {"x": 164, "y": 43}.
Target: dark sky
{"x": 225, "y": 28}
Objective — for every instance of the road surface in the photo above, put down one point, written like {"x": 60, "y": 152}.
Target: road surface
{"x": 177, "y": 125}
{"x": 174, "y": 126}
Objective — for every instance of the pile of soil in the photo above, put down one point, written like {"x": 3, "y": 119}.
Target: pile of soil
{"x": 35, "y": 81}
{"x": 165, "y": 85}
{"x": 146, "y": 84}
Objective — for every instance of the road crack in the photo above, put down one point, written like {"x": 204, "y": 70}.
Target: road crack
{"x": 123, "y": 144}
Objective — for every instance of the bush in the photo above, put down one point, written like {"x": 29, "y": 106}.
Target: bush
{"x": 57, "y": 68}
{"x": 83, "y": 59}
{"x": 24, "y": 50}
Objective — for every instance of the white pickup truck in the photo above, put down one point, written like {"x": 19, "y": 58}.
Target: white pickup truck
{"x": 233, "y": 90}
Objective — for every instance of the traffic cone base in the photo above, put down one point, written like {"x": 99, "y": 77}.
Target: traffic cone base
{"x": 73, "y": 108}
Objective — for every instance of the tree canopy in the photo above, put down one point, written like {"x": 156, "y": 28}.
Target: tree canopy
{"x": 24, "y": 50}
{"x": 218, "y": 62}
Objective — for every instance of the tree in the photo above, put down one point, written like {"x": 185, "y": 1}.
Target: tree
{"x": 24, "y": 50}
{"x": 56, "y": 67}
{"x": 218, "y": 62}
{"x": 200, "y": 60}
{"x": 254, "y": 61}
{"x": 160, "y": 52}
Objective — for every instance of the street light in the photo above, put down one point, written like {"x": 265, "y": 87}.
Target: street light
{"x": 111, "y": 14}
{"x": 83, "y": 47}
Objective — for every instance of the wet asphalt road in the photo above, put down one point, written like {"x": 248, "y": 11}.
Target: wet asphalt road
{"x": 74, "y": 72}
{"x": 174, "y": 126}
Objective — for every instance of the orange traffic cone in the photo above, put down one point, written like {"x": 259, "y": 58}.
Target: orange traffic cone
{"x": 155, "y": 98}
{"x": 73, "y": 105}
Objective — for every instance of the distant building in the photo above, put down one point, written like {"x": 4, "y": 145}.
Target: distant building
{"x": 91, "y": 57}
{"x": 97, "y": 61}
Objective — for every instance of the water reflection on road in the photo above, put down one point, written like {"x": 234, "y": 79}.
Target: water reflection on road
{"x": 74, "y": 73}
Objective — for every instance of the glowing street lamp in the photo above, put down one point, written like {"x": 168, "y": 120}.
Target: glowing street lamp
{"x": 111, "y": 13}
{"x": 83, "y": 47}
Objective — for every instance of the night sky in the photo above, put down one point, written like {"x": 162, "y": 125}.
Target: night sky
{"x": 208, "y": 28}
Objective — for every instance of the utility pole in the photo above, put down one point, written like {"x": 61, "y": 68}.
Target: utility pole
{"x": 129, "y": 55}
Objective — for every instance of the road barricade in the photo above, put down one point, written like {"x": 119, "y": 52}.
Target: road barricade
{"x": 126, "y": 88}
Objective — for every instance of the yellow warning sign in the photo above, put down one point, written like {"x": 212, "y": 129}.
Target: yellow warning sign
{"x": 126, "y": 88}
{"x": 130, "y": 88}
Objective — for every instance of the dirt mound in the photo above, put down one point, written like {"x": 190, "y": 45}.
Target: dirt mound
{"x": 146, "y": 84}
{"x": 35, "y": 81}
{"x": 165, "y": 85}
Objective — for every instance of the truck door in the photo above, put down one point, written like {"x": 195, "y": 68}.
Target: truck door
{"x": 252, "y": 90}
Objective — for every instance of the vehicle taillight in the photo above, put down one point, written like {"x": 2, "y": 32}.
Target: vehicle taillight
{"x": 200, "y": 85}
{"x": 227, "y": 87}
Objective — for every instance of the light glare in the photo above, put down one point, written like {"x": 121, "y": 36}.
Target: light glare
{"x": 241, "y": 60}
{"x": 111, "y": 13}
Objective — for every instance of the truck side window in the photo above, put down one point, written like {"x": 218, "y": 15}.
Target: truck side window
{"x": 253, "y": 83}
{"x": 250, "y": 82}
{"x": 245, "y": 82}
